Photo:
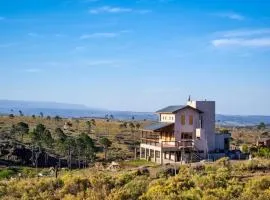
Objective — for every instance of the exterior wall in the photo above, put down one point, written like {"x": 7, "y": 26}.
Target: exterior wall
{"x": 167, "y": 117}
{"x": 220, "y": 141}
{"x": 207, "y": 141}
{"x": 179, "y": 128}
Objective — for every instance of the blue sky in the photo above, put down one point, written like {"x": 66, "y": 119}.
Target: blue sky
{"x": 137, "y": 55}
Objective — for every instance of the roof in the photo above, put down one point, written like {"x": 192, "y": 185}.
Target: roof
{"x": 173, "y": 109}
{"x": 157, "y": 126}
{"x": 170, "y": 109}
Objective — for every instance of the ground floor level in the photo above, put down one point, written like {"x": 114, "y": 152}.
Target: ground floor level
{"x": 161, "y": 155}
{"x": 168, "y": 155}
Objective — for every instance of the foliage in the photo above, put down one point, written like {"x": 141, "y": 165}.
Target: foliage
{"x": 245, "y": 148}
{"x": 6, "y": 173}
{"x": 21, "y": 128}
{"x": 264, "y": 152}
{"x": 212, "y": 182}
{"x": 106, "y": 143}
{"x": 261, "y": 126}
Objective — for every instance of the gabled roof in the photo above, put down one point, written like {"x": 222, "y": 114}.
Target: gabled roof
{"x": 174, "y": 109}
{"x": 157, "y": 126}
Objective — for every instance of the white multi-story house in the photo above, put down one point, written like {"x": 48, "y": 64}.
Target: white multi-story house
{"x": 184, "y": 133}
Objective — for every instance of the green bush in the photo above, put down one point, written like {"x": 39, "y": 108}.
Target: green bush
{"x": 7, "y": 173}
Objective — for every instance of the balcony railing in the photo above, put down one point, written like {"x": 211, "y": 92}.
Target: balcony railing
{"x": 184, "y": 143}
{"x": 152, "y": 142}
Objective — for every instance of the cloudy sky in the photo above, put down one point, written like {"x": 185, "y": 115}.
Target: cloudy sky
{"x": 137, "y": 55}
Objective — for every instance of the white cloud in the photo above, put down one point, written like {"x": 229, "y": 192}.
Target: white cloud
{"x": 32, "y": 70}
{"x": 109, "y": 9}
{"x": 33, "y": 34}
{"x": 255, "y": 42}
{"x": 117, "y": 10}
{"x": 231, "y": 15}
{"x": 245, "y": 32}
{"x": 99, "y": 35}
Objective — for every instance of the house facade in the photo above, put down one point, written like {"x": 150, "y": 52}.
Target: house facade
{"x": 184, "y": 133}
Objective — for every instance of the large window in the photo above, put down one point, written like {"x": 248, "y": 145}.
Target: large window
{"x": 190, "y": 120}
{"x": 183, "y": 119}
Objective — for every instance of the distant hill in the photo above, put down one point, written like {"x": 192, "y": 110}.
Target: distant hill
{"x": 242, "y": 120}
{"x": 74, "y": 110}
{"x": 14, "y": 104}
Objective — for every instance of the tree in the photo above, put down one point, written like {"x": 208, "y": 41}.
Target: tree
{"x": 11, "y": 116}
{"x": 93, "y": 121}
{"x": 77, "y": 124}
{"x": 57, "y": 118}
{"x": 37, "y": 133}
{"x": 21, "y": 113}
{"x": 85, "y": 148}
{"x": 245, "y": 148}
{"x": 111, "y": 117}
{"x": 22, "y": 128}
{"x": 60, "y": 135}
{"x": 132, "y": 127}
{"x": 69, "y": 147}
{"x": 48, "y": 117}
{"x": 46, "y": 138}
{"x": 138, "y": 126}
{"x": 41, "y": 114}
{"x": 34, "y": 116}
{"x": 123, "y": 125}
{"x": 106, "y": 143}
{"x": 89, "y": 126}
{"x": 261, "y": 126}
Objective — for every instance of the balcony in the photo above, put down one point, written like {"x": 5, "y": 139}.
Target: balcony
{"x": 169, "y": 145}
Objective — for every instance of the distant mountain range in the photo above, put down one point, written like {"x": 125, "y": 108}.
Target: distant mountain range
{"x": 74, "y": 110}
{"x": 14, "y": 104}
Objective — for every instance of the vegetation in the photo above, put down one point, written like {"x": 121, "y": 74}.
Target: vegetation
{"x": 221, "y": 180}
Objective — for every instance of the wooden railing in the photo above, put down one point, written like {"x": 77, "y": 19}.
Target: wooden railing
{"x": 150, "y": 141}
{"x": 184, "y": 143}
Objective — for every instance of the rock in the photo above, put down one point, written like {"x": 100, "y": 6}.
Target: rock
{"x": 143, "y": 171}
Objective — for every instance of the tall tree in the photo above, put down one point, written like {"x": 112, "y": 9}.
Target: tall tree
{"x": 41, "y": 114}
{"x": 106, "y": 143}
{"x": 60, "y": 135}
{"x": 89, "y": 126}
{"x": 22, "y": 128}
{"x": 93, "y": 121}
{"x": 85, "y": 148}
{"x": 261, "y": 126}
{"x": 77, "y": 124}
{"x": 138, "y": 125}
{"x": 21, "y": 113}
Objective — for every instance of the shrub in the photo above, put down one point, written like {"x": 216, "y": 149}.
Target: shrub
{"x": 6, "y": 173}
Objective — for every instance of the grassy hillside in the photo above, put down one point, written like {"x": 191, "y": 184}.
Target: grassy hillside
{"x": 124, "y": 136}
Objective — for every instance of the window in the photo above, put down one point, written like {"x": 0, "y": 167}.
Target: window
{"x": 183, "y": 119}
{"x": 190, "y": 120}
